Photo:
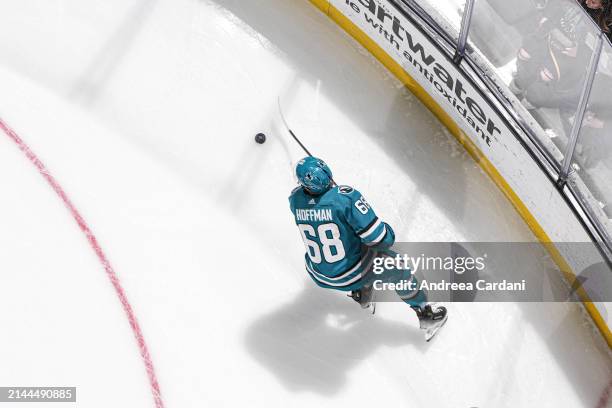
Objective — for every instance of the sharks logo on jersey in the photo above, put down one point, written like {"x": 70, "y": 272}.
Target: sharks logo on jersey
{"x": 337, "y": 230}
{"x": 345, "y": 189}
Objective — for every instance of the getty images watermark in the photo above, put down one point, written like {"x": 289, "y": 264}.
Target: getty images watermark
{"x": 422, "y": 263}
{"x": 490, "y": 272}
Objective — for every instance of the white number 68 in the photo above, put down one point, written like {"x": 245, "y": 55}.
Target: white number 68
{"x": 362, "y": 205}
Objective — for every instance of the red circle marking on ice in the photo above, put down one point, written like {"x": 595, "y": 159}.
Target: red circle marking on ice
{"x": 110, "y": 272}
{"x": 604, "y": 398}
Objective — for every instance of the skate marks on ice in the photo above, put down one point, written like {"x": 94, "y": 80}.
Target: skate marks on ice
{"x": 313, "y": 343}
{"x": 74, "y": 48}
{"x": 92, "y": 81}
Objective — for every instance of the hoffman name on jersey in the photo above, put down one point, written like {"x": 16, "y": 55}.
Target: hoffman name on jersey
{"x": 312, "y": 214}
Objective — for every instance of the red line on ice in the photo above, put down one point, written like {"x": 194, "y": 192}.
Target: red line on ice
{"x": 605, "y": 396}
{"x": 110, "y": 272}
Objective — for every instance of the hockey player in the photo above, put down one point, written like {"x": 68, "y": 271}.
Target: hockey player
{"x": 343, "y": 235}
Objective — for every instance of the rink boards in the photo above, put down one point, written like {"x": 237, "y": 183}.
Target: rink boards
{"x": 467, "y": 112}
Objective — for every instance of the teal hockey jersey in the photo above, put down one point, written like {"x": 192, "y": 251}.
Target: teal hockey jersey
{"x": 340, "y": 230}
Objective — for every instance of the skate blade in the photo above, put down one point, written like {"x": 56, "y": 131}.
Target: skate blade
{"x": 371, "y": 306}
{"x": 430, "y": 332}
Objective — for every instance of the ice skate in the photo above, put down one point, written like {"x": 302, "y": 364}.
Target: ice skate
{"x": 365, "y": 297}
{"x": 431, "y": 319}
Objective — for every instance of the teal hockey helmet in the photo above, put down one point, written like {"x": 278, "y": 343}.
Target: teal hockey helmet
{"x": 314, "y": 175}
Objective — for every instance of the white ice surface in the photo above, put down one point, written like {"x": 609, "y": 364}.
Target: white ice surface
{"x": 145, "y": 112}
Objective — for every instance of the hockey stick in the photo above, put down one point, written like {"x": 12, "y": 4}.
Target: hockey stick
{"x": 280, "y": 110}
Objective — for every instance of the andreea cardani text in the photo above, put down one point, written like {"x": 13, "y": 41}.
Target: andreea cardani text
{"x": 482, "y": 285}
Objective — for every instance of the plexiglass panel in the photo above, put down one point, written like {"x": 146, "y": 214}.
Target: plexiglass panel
{"x": 447, "y": 13}
{"x": 541, "y": 50}
{"x": 593, "y": 156}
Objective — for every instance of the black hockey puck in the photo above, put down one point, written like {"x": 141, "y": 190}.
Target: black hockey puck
{"x": 260, "y": 138}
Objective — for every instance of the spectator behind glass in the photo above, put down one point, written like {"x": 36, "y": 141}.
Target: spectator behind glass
{"x": 601, "y": 12}
{"x": 550, "y": 63}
